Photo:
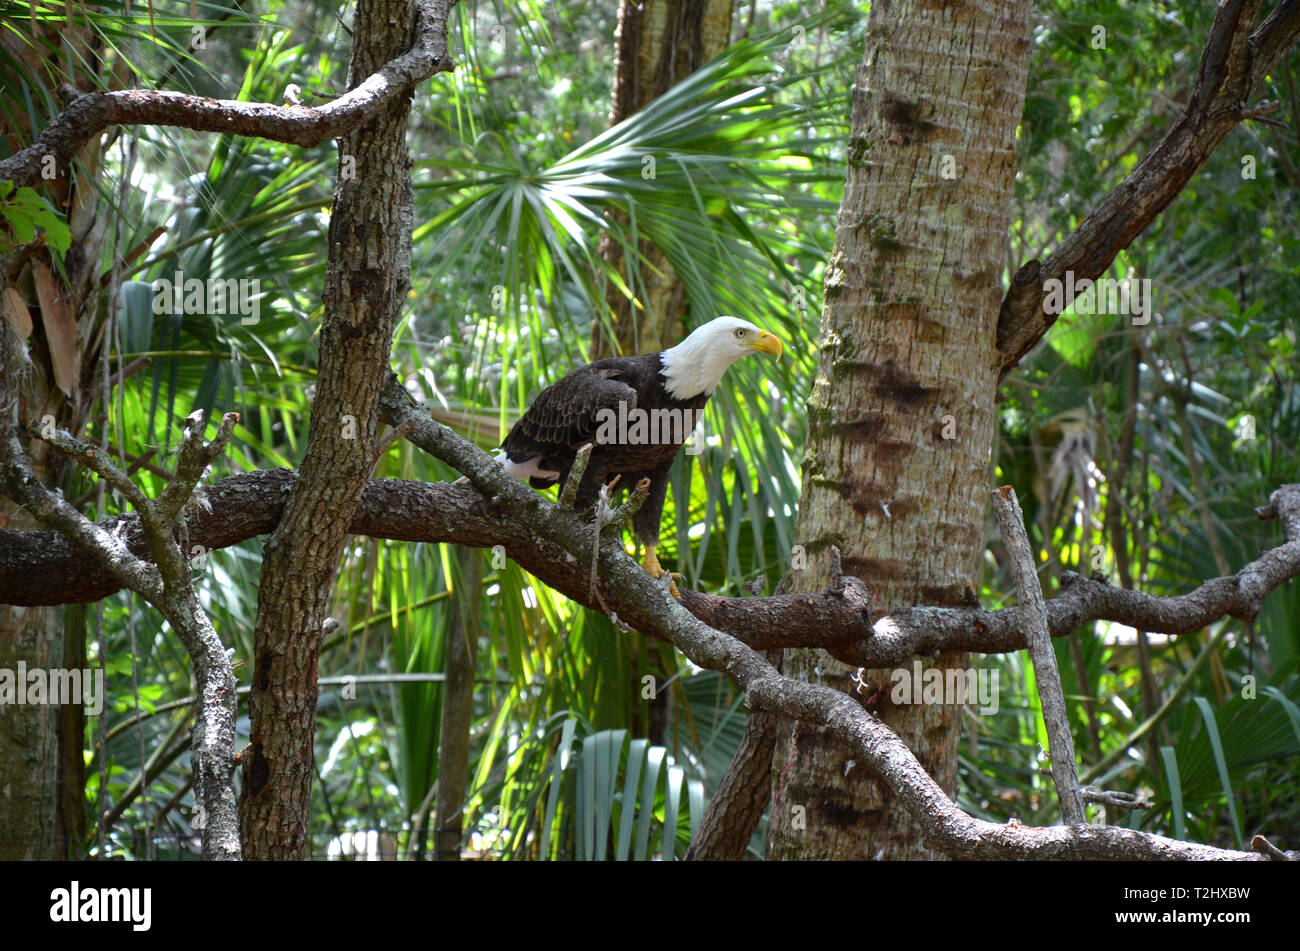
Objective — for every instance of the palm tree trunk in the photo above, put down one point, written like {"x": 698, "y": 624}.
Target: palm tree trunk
{"x": 901, "y": 419}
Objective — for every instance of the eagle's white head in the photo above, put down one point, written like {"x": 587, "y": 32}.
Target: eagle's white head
{"x": 697, "y": 364}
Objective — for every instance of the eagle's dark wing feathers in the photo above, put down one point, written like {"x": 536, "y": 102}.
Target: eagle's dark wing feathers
{"x": 565, "y": 416}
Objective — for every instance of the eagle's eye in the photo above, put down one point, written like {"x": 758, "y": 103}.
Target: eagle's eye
{"x": 740, "y": 332}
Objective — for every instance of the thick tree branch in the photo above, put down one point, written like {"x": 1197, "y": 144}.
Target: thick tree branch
{"x": 164, "y": 581}
{"x": 45, "y": 568}
{"x": 1233, "y": 62}
{"x": 947, "y": 827}
{"x": 90, "y": 113}
{"x": 742, "y": 796}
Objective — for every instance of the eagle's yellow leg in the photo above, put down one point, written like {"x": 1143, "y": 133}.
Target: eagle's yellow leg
{"x": 655, "y": 570}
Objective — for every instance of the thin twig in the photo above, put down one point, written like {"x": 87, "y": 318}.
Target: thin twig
{"x": 1265, "y": 847}
{"x": 1030, "y": 594}
{"x": 631, "y": 505}
{"x": 576, "y": 472}
{"x": 1122, "y": 800}
{"x": 603, "y": 517}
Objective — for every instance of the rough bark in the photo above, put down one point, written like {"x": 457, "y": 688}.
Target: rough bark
{"x": 29, "y": 734}
{"x": 30, "y": 786}
{"x": 367, "y": 278}
{"x": 743, "y": 795}
{"x": 658, "y": 44}
{"x": 901, "y": 418}
{"x": 45, "y": 568}
{"x": 458, "y": 704}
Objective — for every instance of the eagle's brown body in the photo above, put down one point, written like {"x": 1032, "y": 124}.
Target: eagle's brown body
{"x": 566, "y": 416}
{"x": 635, "y": 411}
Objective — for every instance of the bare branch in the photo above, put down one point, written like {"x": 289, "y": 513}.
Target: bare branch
{"x": 576, "y": 472}
{"x": 947, "y": 827}
{"x": 1059, "y": 739}
{"x": 44, "y": 568}
{"x": 1233, "y": 62}
{"x": 1265, "y": 847}
{"x": 166, "y": 585}
{"x": 192, "y": 462}
{"x": 631, "y": 505}
{"x": 98, "y": 462}
{"x": 1120, "y": 800}
{"x": 90, "y": 113}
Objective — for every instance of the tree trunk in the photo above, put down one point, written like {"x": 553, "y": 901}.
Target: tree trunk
{"x": 659, "y": 43}
{"x": 29, "y": 733}
{"x": 458, "y": 703}
{"x": 366, "y": 283}
{"x": 42, "y": 786}
{"x": 737, "y": 805}
{"x": 901, "y": 419}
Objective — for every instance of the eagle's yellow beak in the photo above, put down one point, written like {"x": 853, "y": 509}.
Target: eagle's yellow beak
{"x": 768, "y": 343}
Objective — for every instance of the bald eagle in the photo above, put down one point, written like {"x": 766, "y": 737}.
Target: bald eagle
{"x": 636, "y": 412}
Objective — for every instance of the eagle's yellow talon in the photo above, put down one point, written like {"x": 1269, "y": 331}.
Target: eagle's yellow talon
{"x": 677, "y": 381}
{"x": 657, "y": 571}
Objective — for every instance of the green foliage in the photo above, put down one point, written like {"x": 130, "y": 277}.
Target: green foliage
{"x": 735, "y": 175}
{"x": 595, "y": 795}
{"x": 25, "y": 212}
{"x": 1209, "y": 387}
